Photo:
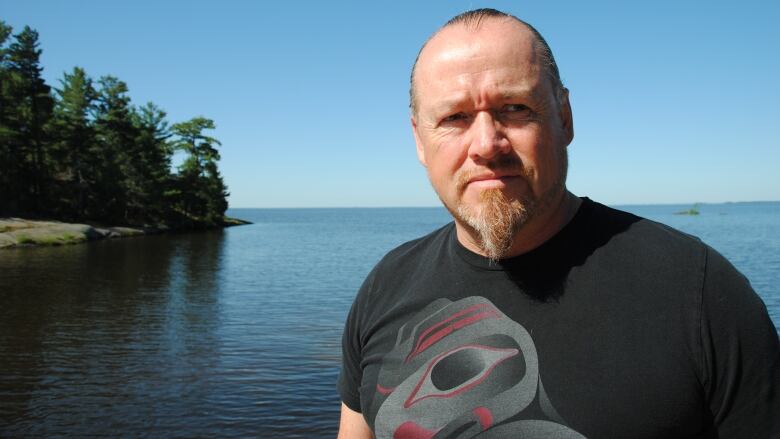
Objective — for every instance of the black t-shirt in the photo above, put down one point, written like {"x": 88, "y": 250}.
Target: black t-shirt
{"x": 617, "y": 327}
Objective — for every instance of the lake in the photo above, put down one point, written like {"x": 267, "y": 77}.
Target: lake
{"x": 235, "y": 332}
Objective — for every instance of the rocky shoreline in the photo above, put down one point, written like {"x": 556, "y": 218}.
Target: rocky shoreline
{"x": 18, "y": 232}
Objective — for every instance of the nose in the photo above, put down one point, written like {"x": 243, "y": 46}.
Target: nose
{"x": 488, "y": 140}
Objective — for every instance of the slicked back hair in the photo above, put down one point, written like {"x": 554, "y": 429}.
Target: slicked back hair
{"x": 473, "y": 20}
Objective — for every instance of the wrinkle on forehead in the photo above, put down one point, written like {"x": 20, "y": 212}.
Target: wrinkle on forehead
{"x": 461, "y": 57}
{"x": 493, "y": 93}
{"x": 481, "y": 88}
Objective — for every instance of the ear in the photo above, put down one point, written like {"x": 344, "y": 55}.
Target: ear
{"x": 418, "y": 143}
{"x": 566, "y": 117}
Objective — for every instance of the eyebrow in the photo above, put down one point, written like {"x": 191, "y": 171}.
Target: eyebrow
{"x": 456, "y": 100}
{"x": 450, "y": 102}
{"x": 523, "y": 92}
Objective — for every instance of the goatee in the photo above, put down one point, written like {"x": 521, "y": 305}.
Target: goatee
{"x": 496, "y": 220}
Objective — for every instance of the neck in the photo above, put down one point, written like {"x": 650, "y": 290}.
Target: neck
{"x": 543, "y": 226}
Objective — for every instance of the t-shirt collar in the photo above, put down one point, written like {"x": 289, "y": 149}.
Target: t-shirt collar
{"x": 550, "y": 246}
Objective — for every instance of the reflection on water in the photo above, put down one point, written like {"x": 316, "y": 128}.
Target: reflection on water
{"x": 109, "y": 336}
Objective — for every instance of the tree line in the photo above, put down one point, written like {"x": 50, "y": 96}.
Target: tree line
{"x": 83, "y": 152}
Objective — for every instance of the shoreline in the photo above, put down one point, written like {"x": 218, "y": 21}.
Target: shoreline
{"x": 19, "y": 232}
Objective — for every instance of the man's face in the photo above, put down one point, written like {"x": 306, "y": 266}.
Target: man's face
{"x": 488, "y": 125}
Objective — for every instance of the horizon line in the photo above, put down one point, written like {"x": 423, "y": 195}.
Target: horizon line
{"x": 442, "y": 206}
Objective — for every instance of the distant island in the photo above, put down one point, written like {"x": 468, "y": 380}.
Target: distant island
{"x": 83, "y": 154}
{"x": 692, "y": 211}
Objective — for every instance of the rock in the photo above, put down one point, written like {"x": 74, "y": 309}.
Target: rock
{"x": 20, "y": 232}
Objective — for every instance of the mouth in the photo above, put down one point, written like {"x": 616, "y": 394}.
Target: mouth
{"x": 491, "y": 181}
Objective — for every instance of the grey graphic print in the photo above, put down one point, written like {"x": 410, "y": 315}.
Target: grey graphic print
{"x": 464, "y": 369}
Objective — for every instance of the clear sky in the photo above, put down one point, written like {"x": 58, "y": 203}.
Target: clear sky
{"x": 673, "y": 101}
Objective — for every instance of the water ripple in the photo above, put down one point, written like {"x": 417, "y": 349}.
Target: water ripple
{"x": 231, "y": 333}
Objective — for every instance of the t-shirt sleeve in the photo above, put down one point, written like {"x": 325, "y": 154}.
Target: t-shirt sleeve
{"x": 351, "y": 352}
{"x": 741, "y": 355}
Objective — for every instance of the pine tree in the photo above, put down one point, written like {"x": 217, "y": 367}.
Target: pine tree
{"x": 201, "y": 189}
{"x": 31, "y": 111}
{"x": 6, "y": 166}
{"x": 91, "y": 155}
{"x": 154, "y": 162}
{"x": 118, "y": 189}
{"x": 76, "y": 148}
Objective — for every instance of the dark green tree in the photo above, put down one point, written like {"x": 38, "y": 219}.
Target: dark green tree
{"x": 153, "y": 163}
{"x": 118, "y": 191}
{"x": 6, "y": 164}
{"x": 201, "y": 190}
{"x": 25, "y": 134}
{"x": 216, "y": 191}
{"x": 90, "y": 155}
{"x": 75, "y": 150}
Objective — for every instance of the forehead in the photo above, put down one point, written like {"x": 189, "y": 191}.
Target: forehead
{"x": 500, "y": 56}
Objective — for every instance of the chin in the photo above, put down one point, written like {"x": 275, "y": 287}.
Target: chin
{"x": 495, "y": 220}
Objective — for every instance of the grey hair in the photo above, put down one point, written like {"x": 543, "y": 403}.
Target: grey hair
{"x": 473, "y": 20}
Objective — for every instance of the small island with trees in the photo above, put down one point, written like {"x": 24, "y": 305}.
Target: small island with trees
{"x": 82, "y": 153}
{"x": 693, "y": 211}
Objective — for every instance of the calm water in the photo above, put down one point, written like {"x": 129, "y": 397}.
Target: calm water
{"x": 235, "y": 332}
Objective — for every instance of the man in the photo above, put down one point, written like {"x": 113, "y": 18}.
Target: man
{"x": 538, "y": 314}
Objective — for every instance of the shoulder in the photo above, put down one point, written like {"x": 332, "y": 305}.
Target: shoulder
{"x": 411, "y": 253}
{"x": 674, "y": 268}
{"x": 655, "y": 262}
{"x": 395, "y": 272}
{"x": 405, "y": 262}
{"x": 644, "y": 238}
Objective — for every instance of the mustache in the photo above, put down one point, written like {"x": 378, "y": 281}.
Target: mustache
{"x": 509, "y": 164}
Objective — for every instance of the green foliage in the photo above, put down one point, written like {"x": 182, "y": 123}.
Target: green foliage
{"x": 692, "y": 211}
{"x": 27, "y": 104}
{"x": 75, "y": 148}
{"x": 199, "y": 191}
{"x": 87, "y": 153}
{"x": 6, "y": 132}
{"x": 117, "y": 174}
{"x": 153, "y": 163}
{"x": 56, "y": 238}
{"x": 25, "y": 239}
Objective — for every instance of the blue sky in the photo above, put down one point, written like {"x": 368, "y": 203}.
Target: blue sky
{"x": 673, "y": 101}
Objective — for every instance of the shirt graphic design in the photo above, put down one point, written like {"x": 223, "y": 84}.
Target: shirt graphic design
{"x": 464, "y": 369}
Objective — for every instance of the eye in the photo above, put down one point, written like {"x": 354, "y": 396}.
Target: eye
{"x": 515, "y": 112}
{"x": 515, "y": 107}
{"x": 455, "y": 117}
